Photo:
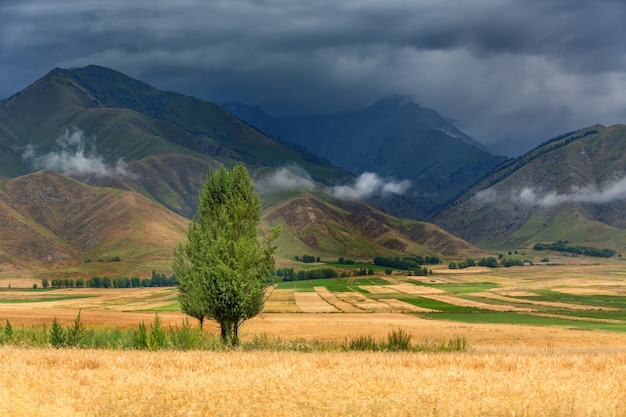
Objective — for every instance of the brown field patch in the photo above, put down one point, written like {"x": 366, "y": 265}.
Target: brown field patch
{"x": 123, "y": 299}
{"x": 379, "y": 289}
{"x": 332, "y": 299}
{"x": 585, "y": 291}
{"x": 415, "y": 289}
{"x": 311, "y": 302}
{"x": 362, "y": 302}
{"x": 403, "y": 306}
{"x": 281, "y": 301}
{"x": 457, "y": 301}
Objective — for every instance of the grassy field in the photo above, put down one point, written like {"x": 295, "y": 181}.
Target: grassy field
{"x": 543, "y": 341}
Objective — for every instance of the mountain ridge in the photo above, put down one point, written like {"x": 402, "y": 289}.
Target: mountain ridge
{"x": 570, "y": 184}
{"x": 395, "y": 138}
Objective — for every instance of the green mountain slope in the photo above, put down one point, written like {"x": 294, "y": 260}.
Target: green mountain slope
{"x": 125, "y": 118}
{"x": 570, "y": 188}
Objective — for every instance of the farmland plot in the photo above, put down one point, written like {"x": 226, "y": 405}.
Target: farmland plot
{"x": 585, "y": 296}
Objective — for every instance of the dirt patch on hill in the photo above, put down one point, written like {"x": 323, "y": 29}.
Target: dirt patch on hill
{"x": 439, "y": 240}
{"x": 368, "y": 226}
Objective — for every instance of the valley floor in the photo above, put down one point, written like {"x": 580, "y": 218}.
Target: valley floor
{"x": 564, "y": 364}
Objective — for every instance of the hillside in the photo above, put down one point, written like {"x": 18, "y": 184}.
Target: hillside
{"x": 329, "y": 228}
{"x": 54, "y": 223}
{"x": 395, "y": 137}
{"x": 570, "y": 188}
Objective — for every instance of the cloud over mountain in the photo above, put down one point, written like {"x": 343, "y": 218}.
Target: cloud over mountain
{"x": 294, "y": 178}
{"x": 290, "y": 178}
{"x": 368, "y": 185}
{"x": 534, "y": 196}
{"x": 71, "y": 156}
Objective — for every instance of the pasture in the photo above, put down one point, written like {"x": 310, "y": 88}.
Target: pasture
{"x": 543, "y": 341}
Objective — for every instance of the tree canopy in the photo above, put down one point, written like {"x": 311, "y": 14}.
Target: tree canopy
{"x": 224, "y": 267}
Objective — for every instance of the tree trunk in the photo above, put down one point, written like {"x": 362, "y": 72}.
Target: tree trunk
{"x": 229, "y": 333}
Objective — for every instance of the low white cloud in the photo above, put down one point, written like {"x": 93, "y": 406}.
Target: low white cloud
{"x": 70, "y": 156}
{"x": 368, "y": 185}
{"x": 289, "y": 178}
{"x": 612, "y": 191}
{"x": 295, "y": 178}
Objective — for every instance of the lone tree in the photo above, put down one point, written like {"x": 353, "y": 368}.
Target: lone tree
{"x": 223, "y": 268}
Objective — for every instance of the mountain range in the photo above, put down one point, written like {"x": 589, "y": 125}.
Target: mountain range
{"x": 80, "y": 134}
{"x": 100, "y": 174}
{"x": 394, "y": 137}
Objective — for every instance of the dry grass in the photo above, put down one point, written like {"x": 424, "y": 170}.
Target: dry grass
{"x": 333, "y": 299}
{"x": 130, "y": 383}
{"x": 281, "y": 301}
{"x": 311, "y": 302}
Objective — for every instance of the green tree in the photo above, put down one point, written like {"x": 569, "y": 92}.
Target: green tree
{"x": 224, "y": 267}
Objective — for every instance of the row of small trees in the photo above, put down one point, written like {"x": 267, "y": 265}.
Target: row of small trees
{"x": 489, "y": 262}
{"x": 562, "y": 246}
{"x": 409, "y": 263}
{"x": 156, "y": 280}
{"x": 289, "y": 274}
{"x": 307, "y": 259}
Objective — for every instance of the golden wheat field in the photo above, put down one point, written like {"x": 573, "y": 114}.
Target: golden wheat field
{"x": 508, "y": 369}
{"x": 517, "y": 382}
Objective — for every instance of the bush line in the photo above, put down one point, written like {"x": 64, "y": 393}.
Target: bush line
{"x": 157, "y": 337}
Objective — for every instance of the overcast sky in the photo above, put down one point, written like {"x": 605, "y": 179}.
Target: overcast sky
{"x": 509, "y": 73}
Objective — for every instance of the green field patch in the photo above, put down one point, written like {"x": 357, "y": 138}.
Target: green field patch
{"x": 591, "y": 314}
{"x": 606, "y": 301}
{"x": 423, "y": 302}
{"x": 463, "y": 288}
{"x": 42, "y": 299}
{"x": 170, "y": 307}
{"x": 359, "y": 289}
{"x": 300, "y": 286}
{"x": 367, "y": 281}
{"x": 517, "y": 318}
{"x": 339, "y": 288}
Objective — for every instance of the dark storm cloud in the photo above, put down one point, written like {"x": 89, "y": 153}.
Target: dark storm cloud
{"x": 511, "y": 73}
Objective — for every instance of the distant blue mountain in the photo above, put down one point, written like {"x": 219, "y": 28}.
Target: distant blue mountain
{"x": 394, "y": 137}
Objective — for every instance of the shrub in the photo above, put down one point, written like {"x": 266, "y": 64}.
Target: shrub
{"x": 398, "y": 340}
{"x": 57, "y": 335}
{"x": 361, "y": 343}
{"x": 75, "y": 332}
{"x": 8, "y": 331}
{"x": 157, "y": 336}
{"x": 140, "y": 337}
{"x": 184, "y": 338}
